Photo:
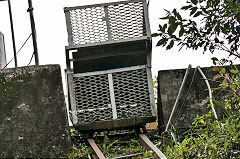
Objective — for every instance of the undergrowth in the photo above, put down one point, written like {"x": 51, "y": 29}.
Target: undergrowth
{"x": 208, "y": 138}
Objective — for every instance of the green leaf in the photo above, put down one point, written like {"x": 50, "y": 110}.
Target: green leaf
{"x": 221, "y": 105}
{"x": 194, "y": 2}
{"x": 197, "y": 14}
{"x": 162, "y": 42}
{"x": 193, "y": 10}
{"x": 172, "y": 20}
{"x": 164, "y": 27}
{"x": 223, "y": 71}
{"x": 155, "y": 34}
{"x": 172, "y": 28}
{"x": 234, "y": 71}
{"x": 170, "y": 45}
{"x": 181, "y": 32}
{"x": 186, "y": 7}
{"x": 177, "y": 14}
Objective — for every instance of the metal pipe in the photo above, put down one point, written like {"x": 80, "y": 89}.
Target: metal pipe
{"x": 209, "y": 90}
{"x": 178, "y": 96}
{"x": 13, "y": 36}
{"x": 34, "y": 35}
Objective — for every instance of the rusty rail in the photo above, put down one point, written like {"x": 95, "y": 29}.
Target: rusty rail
{"x": 96, "y": 149}
{"x": 144, "y": 141}
{"x": 150, "y": 146}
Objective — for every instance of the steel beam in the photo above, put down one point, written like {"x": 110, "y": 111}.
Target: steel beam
{"x": 150, "y": 146}
{"x": 95, "y": 148}
{"x": 13, "y": 35}
{"x": 34, "y": 34}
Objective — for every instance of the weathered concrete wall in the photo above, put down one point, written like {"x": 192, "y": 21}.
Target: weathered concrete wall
{"x": 33, "y": 116}
{"x": 190, "y": 104}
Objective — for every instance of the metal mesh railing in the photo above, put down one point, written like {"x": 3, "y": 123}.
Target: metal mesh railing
{"x": 92, "y": 95}
{"x": 106, "y": 22}
{"x": 126, "y": 20}
{"x": 132, "y": 93}
{"x": 88, "y": 25}
{"x": 92, "y": 98}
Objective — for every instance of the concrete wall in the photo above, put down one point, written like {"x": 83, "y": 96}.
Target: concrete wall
{"x": 33, "y": 116}
{"x": 190, "y": 104}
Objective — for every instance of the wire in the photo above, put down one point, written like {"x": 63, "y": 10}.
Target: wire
{"x": 30, "y": 59}
{"x": 18, "y": 50}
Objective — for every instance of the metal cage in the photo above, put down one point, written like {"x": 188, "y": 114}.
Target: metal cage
{"x": 108, "y": 65}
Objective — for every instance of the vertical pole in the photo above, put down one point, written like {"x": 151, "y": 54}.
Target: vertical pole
{"x": 13, "y": 36}
{"x": 34, "y": 35}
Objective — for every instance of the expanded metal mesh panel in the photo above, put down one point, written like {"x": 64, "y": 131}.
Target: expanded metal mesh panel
{"x": 92, "y": 98}
{"x": 106, "y": 22}
{"x": 126, "y": 20}
{"x": 88, "y": 25}
{"x": 132, "y": 93}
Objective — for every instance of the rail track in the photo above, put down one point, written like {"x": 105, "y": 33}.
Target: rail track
{"x": 123, "y": 138}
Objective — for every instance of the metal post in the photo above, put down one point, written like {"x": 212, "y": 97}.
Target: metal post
{"x": 178, "y": 96}
{"x": 34, "y": 35}
{"x": 12, "y": 29}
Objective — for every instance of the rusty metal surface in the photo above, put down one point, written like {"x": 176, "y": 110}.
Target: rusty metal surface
{"x": 150, "y": 146}
{"x": 95, "y": 148}
{"x": 114, "y": 124}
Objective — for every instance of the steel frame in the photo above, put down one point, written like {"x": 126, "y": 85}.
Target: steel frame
{"x": 110, "y": 40}
{"x": 109, "y": 73}
{"x": 140, "y": 45}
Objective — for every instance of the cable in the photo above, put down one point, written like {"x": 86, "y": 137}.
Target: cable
{"x": 18, "y": 50}
{"x": 30, "y": 60}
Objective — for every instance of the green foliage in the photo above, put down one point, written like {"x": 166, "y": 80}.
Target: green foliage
{"x": 109, "y": 147}
{"x": 148, "y": 154}
{"x": 209, "y": 138}
{"x": 121, "y": 146}
{"x": 78, "y": 150}
{"x": 231, "y": 86}
{"x": 211, "y": 25}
